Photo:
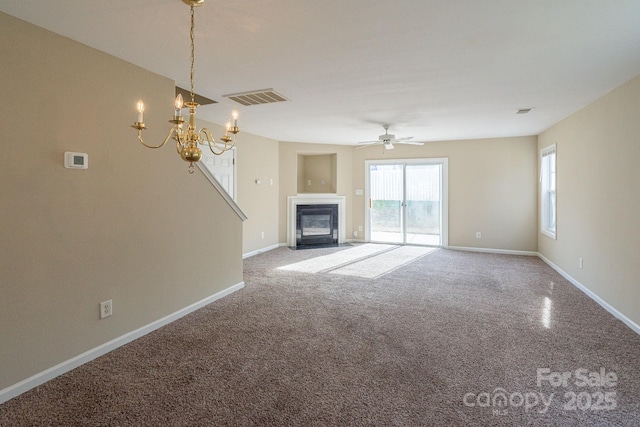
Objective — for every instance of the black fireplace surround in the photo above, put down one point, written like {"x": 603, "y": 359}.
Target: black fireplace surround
{"x": 316, "y": 225}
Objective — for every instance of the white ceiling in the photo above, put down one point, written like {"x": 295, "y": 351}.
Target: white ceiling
{"x": 432, "y": 69}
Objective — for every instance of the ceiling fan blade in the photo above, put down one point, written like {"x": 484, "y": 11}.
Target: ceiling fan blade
{"x": 369, "y": 142}
{"x": 404, "y": 138}
{"x": 409, "y": 142}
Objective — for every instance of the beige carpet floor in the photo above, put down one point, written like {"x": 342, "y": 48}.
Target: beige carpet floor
{"x": 449, "y": 339}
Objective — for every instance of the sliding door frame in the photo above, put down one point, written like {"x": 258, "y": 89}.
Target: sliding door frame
{"x": 444, "y": 192}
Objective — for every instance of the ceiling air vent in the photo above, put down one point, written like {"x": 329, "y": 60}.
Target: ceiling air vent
{"x": 256, "y": 97}
{"x": 201, "y": 100}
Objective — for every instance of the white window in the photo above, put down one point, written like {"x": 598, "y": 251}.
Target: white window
{"x": 548, "y": 191}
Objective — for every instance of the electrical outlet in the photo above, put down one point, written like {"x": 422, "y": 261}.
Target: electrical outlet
{"x": 262, "y": 235}
{"x": 359, "y": 228}
{"x": 580, "y": 264}
{"x": 106, "y": 309}
{"x": 478, "y": 235}
{"x": 355, "y": 234}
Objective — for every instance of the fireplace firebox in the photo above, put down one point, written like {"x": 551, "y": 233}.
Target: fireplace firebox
{"x": 316, "y": 225}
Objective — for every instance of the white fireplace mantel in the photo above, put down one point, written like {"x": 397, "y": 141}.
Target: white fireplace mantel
{"x": 314, "y": 199}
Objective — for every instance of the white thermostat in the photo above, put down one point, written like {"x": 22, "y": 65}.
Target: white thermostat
{"x": 76, "y": 160}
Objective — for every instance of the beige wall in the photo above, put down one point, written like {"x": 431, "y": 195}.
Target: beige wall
{"x": 300, "y": 173}
{"x": 598, "y": 149}
{"x": 492, "y": 185}
{"x": 289, "y": 176}
{"x": 258, "y": 159}
{"x": 130, "y": 228}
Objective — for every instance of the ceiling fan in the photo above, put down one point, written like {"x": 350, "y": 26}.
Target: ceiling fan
{"x": 388, "y": 140}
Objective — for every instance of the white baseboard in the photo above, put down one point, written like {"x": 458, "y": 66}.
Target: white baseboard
{"x": 630, "y": 323}
{"x": 61, "y": 368}
{"x": 492, "y": 251}
{"x": 259, "y": 251}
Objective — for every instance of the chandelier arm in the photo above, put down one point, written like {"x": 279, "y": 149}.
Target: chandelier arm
{"x": 173, "y": 129}
{"x": 205, "y": 135}
{"x": 229, "y": 142}
{"x": 213, "y": 150}
{"x": 179, "y": 143}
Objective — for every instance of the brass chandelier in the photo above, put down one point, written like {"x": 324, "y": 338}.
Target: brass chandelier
{"x": 187, "y": 140}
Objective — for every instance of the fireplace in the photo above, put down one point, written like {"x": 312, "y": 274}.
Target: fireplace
{"x": 321, "y": 201}
{"x": 316, "y": 225}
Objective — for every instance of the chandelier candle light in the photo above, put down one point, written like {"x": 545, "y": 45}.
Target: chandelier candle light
{"x": 187, "y": 140}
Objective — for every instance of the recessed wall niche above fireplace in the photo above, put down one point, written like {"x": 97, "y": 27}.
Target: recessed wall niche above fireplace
{"x": 320, "y": 218}
{"x": 317, "y": 173}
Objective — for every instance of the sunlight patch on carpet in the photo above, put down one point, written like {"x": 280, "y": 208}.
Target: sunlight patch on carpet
{"x": 379, "y": 265}
{"x": 337, "y": 259}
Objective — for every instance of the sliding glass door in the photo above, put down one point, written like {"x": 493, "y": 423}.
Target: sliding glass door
{"x": 386, "y": 200}
{"x": 407, "y": 202}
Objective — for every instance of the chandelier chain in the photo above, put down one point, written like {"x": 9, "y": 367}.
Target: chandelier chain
{"x": 191, "y": 34}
